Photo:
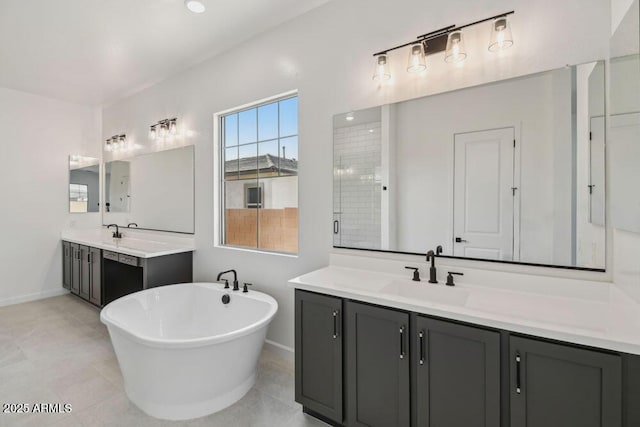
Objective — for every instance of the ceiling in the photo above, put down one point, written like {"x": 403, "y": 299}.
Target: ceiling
{"x": 96, "y": 51}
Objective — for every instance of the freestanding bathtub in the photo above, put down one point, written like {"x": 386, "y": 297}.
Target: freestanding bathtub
{"x": 183, "y": 352}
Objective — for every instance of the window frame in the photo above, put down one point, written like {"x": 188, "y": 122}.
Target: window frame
{"x": 219, "y": 168}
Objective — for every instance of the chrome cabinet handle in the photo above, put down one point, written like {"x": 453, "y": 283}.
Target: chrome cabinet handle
{"x": 403, "y": 352}
{"x": 421, "y": 347}
{"x": 518, "y": 379}
{"x": 335, "y": 324}
{"x": 336, "y": 226}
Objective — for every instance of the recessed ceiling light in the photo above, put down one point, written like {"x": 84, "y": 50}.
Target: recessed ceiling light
{"x": 349, "y": 117}
{"x": 194, "y": 6}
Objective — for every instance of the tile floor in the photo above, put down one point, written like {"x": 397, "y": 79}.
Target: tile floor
{"x": 56, "y": 351}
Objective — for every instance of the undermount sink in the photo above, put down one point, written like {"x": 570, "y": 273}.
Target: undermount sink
{"x": 439, "y": 294}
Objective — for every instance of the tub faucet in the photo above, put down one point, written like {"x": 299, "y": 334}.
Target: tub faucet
{"x": 235, "y": 278}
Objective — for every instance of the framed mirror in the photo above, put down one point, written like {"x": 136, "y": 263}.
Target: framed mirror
{"x": 511, "y": 171}
{"x": 153, "y": 191}
{"x": 84, "y": 184}
{"x": 623, "y": 141}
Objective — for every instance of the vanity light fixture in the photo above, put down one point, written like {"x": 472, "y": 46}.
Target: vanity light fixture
{"x": 163, "y": 129}
{"x": 381, "y": 70}
{"x": 455, "y": 47}
{"x": 417, "y": 61}
{"x": 448, "y": 39}
{"x": 116, "y": 143}
{"x": 501, "y": 37}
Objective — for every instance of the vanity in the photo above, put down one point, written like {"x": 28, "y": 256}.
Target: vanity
{"x": 500, "y": 176}
{"x": 152, "y": 214}
{"x": 100, "y": 269}
{"x": 379, "y": 349}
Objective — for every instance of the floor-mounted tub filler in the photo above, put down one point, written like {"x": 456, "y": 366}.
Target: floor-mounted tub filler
{"x": 188, "y": 350}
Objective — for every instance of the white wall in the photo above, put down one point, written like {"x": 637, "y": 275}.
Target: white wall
{"x": 38, "y": 136}
{"x": 326, "y": 55}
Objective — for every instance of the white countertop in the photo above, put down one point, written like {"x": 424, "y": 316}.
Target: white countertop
{"x": 602, "y": 316}
{"x": 135, "y": 243}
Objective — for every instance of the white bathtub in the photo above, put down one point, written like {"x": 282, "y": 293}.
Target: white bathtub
{"x": 183, "y": 353}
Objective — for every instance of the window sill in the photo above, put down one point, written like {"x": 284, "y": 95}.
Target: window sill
{"x": 257, "y": 251}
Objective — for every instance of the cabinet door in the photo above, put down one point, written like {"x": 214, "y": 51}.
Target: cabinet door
{"x": 85, "y": 272}
{"x": 75, "y": 268}
{"x": 555, "y": 385}
{"x": 319, "y": 354}
{"x": 457, "y": 374}
{"x": 66, "y": 265}
{"x": 95, "y": 289}
{"x": 377, "y": 366}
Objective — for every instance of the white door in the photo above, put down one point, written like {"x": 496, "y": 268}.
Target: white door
{"x": 624, "y": 157}
{"x": 596, "y": 171}
{"x": 484, "y": 194}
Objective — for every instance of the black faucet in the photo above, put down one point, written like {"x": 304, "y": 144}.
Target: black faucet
{"x": 116, "y": 234}
{"x": 416, "y": 273}
{"x": 235, "y": 278}
{"x": 431, "y": 256}
{"x": 450, "y": 281}
{"x": 132, "y": 223}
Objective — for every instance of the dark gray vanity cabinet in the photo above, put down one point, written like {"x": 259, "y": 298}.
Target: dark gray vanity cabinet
{"x": 554, "y": 385}
{"x": 94, "y": 266}
{"x": 85, "y": 272}
{"x": 456, "y": 372}
{"x": 76, "y": 268}
{"x": 319, "y": 354}
{"x": 66, "y": 265}
{"x": 82, "y": 271}
{"x": 377, "y": 345}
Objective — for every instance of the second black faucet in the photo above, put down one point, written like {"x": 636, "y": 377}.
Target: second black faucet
{"x": 431, "y": 256}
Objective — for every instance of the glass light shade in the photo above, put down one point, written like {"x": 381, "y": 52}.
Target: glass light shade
{"x": 416, "y": 62}
{"x": 173, "y": 127}
{"x": 152, "y": 132}
{"x": 107, "y": 146}
{"x": 194, "y": 6}
{"x": 381, "y": 71}
{"x": 163, "y": 130}
{"x": 501, "y": 37}
{"x": 455, "y": 48}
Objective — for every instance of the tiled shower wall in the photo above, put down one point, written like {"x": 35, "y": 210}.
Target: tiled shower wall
{"x": 356, "y": 186}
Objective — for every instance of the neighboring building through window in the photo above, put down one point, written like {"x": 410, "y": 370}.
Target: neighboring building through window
{"x": 259, "y": 151}
{"x": 78, "y": 198}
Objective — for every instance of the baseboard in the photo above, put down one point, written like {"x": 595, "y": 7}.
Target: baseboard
{"x": 282, "y": 350}
{"x": 32, "y": 297}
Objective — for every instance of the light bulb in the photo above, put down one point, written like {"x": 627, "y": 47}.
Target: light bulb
{"x": 152, "y": 132}
{"x": 381, "y": 71}
{"x": 163, "y": 130}
{"x": 455, "y": 51}
{"x": 173, "y": 127}
{"x": 107, "y": 146}
{"x": 195, "y": 6}
{"x": 501, "y": 37}
{"x": 416, "y": 61}
{"x": 349, "y": 117}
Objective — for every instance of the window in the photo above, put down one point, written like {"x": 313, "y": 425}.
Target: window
{"x": 78, "y": 198}
{"x": 259, "y": 183}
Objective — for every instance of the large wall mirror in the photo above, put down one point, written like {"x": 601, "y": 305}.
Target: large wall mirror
{"x": 84, "y": 184}
{"x": 623, "y": 140}
{"x": 509, "y": 171}
{"x": 153, "y": 191}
